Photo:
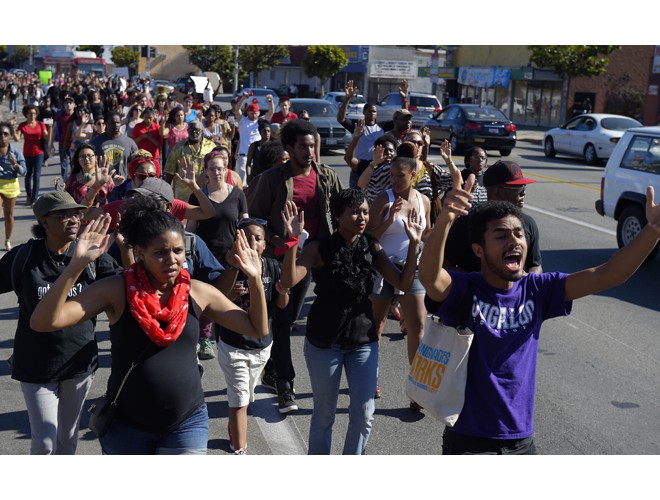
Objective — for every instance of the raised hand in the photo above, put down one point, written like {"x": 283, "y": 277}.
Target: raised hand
{"x": 395, "y": 209}
{"x": 457, "y": 200}
{"x": 359, "y": 128}
{"x": 245, "y": 256}
{"x": 186, "y": 172}
{"x": 426, "y": 136}
{"x": 350, "y": 90}
{"x": 403, "y": 88}
{"x": 93, "y": 239}
{"x": 103, "y": 172}
{"x": 652, "y": 209}
{"x": 378, "y": 154}
{"x": 294, "y": 222}
{"x": 413, "y": 226}
{"x": 445, "y": 151}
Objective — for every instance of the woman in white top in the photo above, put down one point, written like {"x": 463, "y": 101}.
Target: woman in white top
{"x": 386, "y": 217}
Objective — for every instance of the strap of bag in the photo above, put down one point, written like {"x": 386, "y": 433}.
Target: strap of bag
{"x": 130, "y": 369}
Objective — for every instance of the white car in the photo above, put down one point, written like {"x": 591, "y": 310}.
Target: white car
{"x": 634, "y": 165}
{"x": 355, "y": 107}
{"x": 591, "y": 136}
{"x": 422, "y": 107}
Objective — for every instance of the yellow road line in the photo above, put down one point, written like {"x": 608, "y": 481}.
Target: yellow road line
{"x": 553, "y": 179}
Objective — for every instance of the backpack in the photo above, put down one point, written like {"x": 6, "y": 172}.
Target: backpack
{"x": 20, "y": 260}
{"x": 190, "y": 243}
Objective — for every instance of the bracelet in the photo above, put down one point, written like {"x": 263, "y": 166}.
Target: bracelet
{"x": 289, "y": 243}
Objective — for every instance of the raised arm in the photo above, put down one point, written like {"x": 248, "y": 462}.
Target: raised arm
{"x": 623, "y": 264}
{"x": 54, "y": 311}
{"x": 436, "y": 280}
{"x": 221, "y": 310}
{"x": 377, "y": 159}
{"x": 350, "y": 92}
{"x": 349, "y": 157}
{"x": 186, "y": 176}
{"x": 294, "y": 269}
{"x": 271, "y": 108}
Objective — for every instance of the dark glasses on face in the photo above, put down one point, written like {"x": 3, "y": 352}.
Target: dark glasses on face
{"x": 142, "y": 176}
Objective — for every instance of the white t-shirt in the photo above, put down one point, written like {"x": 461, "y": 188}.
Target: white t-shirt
{"x": 249, "y": 133}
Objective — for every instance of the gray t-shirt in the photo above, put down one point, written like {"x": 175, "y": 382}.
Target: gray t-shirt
{"x": 118, "y": 150}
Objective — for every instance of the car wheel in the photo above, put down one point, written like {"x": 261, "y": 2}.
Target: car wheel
{"x": 453, "y": 142}
{"x": 590, "y": 154}
{"x": 505, "y": 152}
{"x": 549, "y": 148}
{"x": 630, "y": 223}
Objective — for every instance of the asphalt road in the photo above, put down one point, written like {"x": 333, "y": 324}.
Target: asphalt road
{"x": 598, "y": 370}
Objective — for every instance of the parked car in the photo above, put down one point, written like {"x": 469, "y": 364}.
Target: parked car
{"x": 469, "y": 125}
{"x": 184, "y": 85}
{"x": 355, "y": 107}
{"x": 259, "y": 92}
{"x": 323, "y": 115}
{"x": 591, "y": 136}
{"x": 156, "y": 84}
{"x": 633, "y": 165}
{"x": 422, "y": 106}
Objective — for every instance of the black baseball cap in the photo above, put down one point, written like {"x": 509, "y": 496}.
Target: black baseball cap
{"x": 505, "y": 172}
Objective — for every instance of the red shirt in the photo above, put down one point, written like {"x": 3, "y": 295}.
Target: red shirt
{"x": 306, "y": 199}
{"x": 154, "y": 131}
{"x": 280, "y": 118}
{"x": 32, "y": 137}
{"x": 179, "y": 208}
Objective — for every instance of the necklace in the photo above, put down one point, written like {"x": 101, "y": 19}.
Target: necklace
{"x": 53, "y": 260}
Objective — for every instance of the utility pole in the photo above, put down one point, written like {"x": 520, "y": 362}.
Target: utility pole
{"x": 149, "y": 59}
{"x": 236, "y": 48}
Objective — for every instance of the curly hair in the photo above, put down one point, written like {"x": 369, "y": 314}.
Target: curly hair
{"x": 483, "y": 213}
{"x": 346, "y": 198}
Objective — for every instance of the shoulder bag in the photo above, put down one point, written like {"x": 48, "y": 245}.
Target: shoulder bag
{"x": 438, "y": 373}
{"x": 102, "y": 411}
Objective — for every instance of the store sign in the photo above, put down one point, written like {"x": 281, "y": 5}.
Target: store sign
{"x": 355, "y": 53}
{"x": 393, "y": 69}
{"x": 486, "y": 77}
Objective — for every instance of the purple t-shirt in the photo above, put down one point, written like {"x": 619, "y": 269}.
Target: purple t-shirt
{"x": 501, "y": 383}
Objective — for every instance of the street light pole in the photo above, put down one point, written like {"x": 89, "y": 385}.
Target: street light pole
{"x": 236, "y": 47}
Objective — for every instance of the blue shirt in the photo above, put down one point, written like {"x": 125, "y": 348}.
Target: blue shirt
{"x": 7, "y": 171}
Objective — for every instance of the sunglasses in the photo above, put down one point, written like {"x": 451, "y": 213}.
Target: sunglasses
{"x": 142, "y": 176}
{"x": 516, "y": 189}
{"x": 251, "y": 220}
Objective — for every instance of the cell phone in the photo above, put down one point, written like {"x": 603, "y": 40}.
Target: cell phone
{"x": 48, "y": 121}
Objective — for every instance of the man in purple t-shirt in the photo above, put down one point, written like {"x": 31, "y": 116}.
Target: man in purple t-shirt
{"x": 508, "y": 308}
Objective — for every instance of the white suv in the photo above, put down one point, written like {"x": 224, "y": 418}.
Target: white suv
{"x": 422, "y": 106}
{"x": 634, "y": 165}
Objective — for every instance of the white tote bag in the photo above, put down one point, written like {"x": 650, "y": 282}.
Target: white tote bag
{"x": 439, "y": 370}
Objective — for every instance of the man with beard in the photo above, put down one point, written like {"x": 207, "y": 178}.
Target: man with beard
{"x": 310, "y": 185}
{"x": 504, "y": 181}
{"x": 194, "y": 149}
{"x": 508, "y": 309}
{"x": 115, "y": 146}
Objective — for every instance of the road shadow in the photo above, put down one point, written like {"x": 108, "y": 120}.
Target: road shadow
{"x": 635, "y": 290}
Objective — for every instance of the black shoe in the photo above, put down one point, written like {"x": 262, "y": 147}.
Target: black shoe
{"x": 286, "y": 397}
{"x": 268, "y": 380}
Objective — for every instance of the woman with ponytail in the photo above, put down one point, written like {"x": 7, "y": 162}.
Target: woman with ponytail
{"x": 152, "y": 311}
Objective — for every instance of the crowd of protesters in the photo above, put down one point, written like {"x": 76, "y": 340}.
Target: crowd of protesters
{"x": 216, "y": 223}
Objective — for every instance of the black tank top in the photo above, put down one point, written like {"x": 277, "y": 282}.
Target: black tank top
{"x": 165, "y": 387}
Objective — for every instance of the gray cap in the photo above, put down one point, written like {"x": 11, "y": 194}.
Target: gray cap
{"x": 153, "y": 186}
{"x": 53, "y": 201}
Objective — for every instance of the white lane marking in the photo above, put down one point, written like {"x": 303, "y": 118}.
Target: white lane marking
{"x": 573, "y": 221}
{"x": 281, "y": 434}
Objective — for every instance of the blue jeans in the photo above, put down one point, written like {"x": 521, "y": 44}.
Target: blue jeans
{"x": 33, "y": 175}
{"x": 325, "y": 368}
{"x": 64, "y": 163}
{"x": 190, "y": 437}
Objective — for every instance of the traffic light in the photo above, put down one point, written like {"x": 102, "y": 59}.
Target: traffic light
{"x": 152, "y": 51}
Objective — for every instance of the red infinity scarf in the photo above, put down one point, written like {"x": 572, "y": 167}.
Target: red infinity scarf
{"x": 147, "y": 310}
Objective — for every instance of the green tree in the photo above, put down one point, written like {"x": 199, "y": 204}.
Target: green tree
{"x": 255, "y": 58}
{"x": 125, "y": 56}
{"x": 3, "y": 52}
{"x": 323, "y": 61}
{"x": 97, "y": 49}
{"x": 570, "y": 61}
{"x": 21, "y": 54}
{"x": 216, "y": 58}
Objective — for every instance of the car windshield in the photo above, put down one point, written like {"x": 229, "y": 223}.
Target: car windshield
{"x": 424, "y": 102}
{"x": 485, "y": 114}
{"x": 619, "y": 123}
{"x": 318, "y": 109}
{"x": 358, "y": 99}
{"x": 261, "y": 92}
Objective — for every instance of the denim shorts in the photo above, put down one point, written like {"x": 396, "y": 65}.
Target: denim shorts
{"x": 190, "y": 437}
{"x": 242, "y": 369}
{"x": 383, "y": 290}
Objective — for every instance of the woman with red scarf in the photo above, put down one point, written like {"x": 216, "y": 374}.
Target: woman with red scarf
{"x": 152, "y": 310}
